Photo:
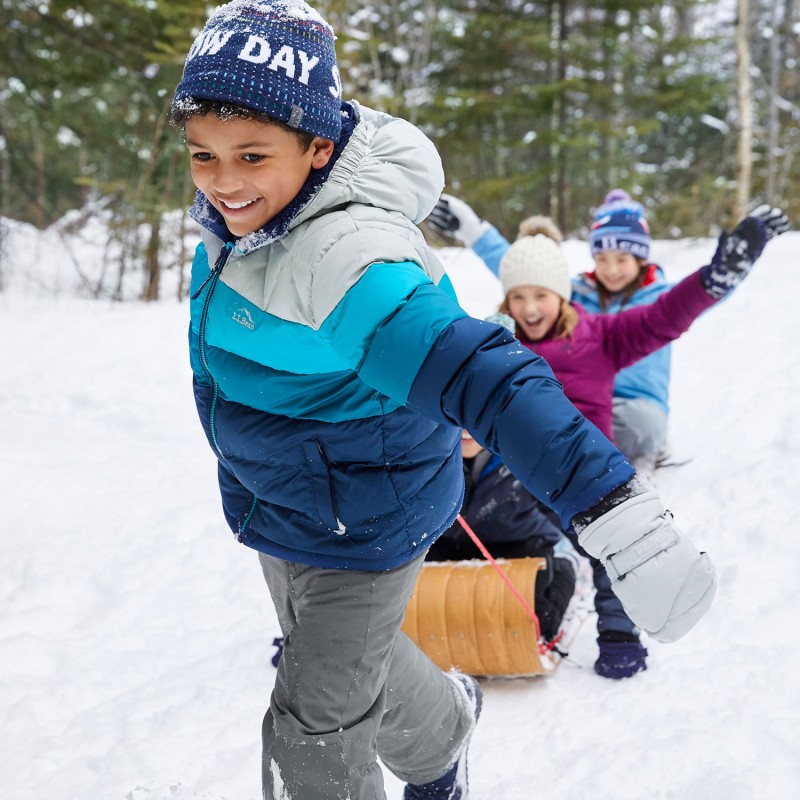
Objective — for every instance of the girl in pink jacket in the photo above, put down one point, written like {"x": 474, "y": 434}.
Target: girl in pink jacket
{"x": 585, "y": 350}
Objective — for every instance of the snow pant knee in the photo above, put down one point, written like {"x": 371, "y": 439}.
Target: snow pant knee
{"x": 350, "y": 687}
{"x": 640, "y": 429}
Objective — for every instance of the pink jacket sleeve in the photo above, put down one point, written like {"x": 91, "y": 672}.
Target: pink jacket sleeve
{"x": 637, "y": 332}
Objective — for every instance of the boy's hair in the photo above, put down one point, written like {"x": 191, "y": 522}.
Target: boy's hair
{"x": 274, "y": 57}
{"x": 181, "y": 112}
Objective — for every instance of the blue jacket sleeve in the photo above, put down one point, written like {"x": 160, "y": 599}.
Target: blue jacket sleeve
{"x": 477, "y": 376}
{"x": 491, "y": 247}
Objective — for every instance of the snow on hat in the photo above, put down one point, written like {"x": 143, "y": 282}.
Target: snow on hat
{"x": 276, "y": 57}
{"x": 535, "y": 260}
{"x": 620, "y": 227}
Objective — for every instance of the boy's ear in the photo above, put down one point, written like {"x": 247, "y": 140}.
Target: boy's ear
{"x": 321, "y": 152}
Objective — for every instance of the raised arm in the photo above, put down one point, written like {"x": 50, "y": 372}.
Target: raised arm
{"x": 455, "y": 219}
{"x": 637, "y": 332}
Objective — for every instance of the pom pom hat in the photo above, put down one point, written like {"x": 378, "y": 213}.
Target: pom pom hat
{"x": 535, "y": 261}
{"x": 618, "y": 200}
{"x": 276, "y": 57}
{"x": 617, "y": 196}
{"x": 624, "y": 229}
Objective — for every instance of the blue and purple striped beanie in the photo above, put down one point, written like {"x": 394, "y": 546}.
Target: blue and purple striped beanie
{"x": 276, "y": 57}
{"x": 620, "y": 224}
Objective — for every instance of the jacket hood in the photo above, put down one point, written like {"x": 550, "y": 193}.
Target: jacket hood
{"x": 387, "y": 163}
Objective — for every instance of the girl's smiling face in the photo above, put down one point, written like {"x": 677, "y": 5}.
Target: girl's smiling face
{"x": 250, "y": 171}
{"x": 534, "y": 309}
{"x": 616, "y": 270}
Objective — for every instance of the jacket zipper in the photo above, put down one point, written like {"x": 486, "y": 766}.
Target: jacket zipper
{"x": 213, "y": 277}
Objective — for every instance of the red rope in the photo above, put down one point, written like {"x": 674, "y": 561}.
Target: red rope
{"x": 543, "y": 648}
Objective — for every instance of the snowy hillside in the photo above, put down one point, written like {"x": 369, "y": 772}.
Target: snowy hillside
{"x": 135, "y": 634}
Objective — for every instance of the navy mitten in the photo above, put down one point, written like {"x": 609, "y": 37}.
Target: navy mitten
{"x": 738, "y": 251}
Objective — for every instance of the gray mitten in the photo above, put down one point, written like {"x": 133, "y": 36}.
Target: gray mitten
{"x": 453, "y": 217}
{"x": 664, "y": 583}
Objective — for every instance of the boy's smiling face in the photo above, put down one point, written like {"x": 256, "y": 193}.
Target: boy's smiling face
{"x": 250, "y": 171}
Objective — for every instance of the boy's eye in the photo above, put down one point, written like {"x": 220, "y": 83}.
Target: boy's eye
{"x": 253, "y": 158}
{"x": 201, "y": 157}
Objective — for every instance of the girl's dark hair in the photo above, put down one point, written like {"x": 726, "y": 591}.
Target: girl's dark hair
{"x": 606, "y": 298}
{"x": 183, "y": 110}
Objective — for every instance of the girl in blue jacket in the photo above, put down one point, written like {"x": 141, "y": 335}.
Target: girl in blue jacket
{"x": 333, "y": 372}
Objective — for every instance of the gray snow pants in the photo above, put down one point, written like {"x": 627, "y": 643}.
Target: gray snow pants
{"x": 640, "y": 431}
{"x": 350, "y": 687}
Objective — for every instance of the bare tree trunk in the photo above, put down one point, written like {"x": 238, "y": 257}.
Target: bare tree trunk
{"x": 774, "y": 94}
{"x": 152, "y": 264}
{"x": 744, "y": 148}
{"x": 607, "y": 144}
{"x": 561, "y": 178}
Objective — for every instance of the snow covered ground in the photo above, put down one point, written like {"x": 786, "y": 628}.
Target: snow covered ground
{"x": 135, "y": 634}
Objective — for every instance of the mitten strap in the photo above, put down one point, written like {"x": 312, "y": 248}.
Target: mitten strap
{"x": 634, "y": 555}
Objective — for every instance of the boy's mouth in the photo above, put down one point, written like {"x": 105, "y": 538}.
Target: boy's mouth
{"x": 235, "y": 206}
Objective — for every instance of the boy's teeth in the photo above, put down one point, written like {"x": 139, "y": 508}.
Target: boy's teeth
{"x": 237, "y": 205}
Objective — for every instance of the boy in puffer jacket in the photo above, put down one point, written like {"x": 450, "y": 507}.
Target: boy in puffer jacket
{"x": 333, "y": 373}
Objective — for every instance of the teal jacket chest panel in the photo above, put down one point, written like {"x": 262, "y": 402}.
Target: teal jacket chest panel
{"x": 367, "y": 351}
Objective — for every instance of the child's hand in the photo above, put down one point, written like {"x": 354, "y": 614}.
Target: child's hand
{"x": 453, "y": 217}
{"x": 737, "y": 252}
{"x": 776, "y": 221}
{"x": 664, "y": 583}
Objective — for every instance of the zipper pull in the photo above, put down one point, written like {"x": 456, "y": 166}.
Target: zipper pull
{"x": 218, "y": 265}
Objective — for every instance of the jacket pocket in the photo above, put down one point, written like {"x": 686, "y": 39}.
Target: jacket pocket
{"x": 322, "y": 486}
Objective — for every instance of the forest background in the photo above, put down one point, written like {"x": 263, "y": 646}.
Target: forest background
{"x": 535, "y": 107}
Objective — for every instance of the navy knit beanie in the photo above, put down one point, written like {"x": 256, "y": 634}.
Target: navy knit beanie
{"x": 622, "y": 228}
{"x": 272, "y": 56}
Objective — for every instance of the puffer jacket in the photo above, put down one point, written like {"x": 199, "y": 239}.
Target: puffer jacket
{"x": 333, "y": 369}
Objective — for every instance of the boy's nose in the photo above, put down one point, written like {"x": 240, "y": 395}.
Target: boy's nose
{"x": 226, "y": 182}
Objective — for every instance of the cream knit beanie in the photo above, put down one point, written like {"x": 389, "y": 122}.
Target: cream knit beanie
{"x": 535, "y": 261}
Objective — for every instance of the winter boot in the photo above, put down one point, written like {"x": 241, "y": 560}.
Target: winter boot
{"x": 276, "y": 656}
{"x": 621, "y": 655}
{"x": 453, "y": 784}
